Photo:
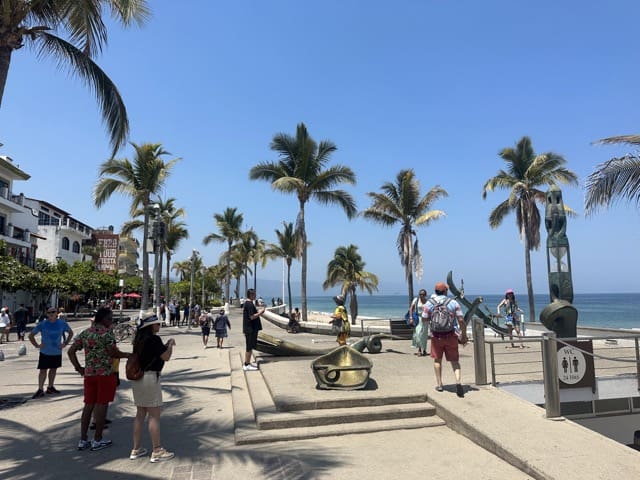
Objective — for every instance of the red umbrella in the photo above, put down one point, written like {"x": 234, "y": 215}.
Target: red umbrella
{"x": 133, "y": 295}
{"x": 116, "y": 295}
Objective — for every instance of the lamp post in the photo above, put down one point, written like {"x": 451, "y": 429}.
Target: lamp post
{"x": 121, "y": 296}
{"x": 194, "y": 256}
{"x": 158, "y": 242}
{"x": 203, "y": 270}
{"x": 57, "y": 291}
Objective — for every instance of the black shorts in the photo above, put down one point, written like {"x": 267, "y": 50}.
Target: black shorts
{"x": 251, "y": 340}
{"x": 49, "y": 361}
{"x": 206, "y": 331}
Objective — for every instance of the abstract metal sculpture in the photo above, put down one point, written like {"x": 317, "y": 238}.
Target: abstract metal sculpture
{"x": 342, "y": 369}
{"x": 282, "y": 348}
{"x": 560, "y": 315}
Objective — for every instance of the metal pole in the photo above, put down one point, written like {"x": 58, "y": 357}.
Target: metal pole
{"x": 550, "y": 373}
{"x": 202, "y": 305}
{"x": 638, "y": 362}
{"x": 479, "y": 352}
{"x": 493, "y": 364}
{"x": 121, "y": 297}
{"x": 193, "y": 261}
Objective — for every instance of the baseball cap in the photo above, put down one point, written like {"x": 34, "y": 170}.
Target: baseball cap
{"x": 441, "y": 287}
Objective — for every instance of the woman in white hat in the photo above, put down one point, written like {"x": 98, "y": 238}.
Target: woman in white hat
{"x": 147, "y": 392}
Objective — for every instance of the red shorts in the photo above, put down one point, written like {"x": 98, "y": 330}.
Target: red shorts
{"x": 99, "y": 389}
{"x": 447, "y": 345}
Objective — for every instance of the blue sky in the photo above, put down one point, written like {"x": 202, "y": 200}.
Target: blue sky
{"x": 439, "y": 87}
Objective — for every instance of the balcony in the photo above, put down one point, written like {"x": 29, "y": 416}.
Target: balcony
{"x": 11, "y": 201}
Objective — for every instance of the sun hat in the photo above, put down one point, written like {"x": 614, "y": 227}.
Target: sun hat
{"x": 441, "y": 287}
{"x": 339, "y": 299}
{"x": 508, "y": 291}
{"x": 148, "y": 318}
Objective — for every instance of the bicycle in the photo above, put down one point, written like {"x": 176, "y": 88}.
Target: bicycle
{"x": 122, "y": 331}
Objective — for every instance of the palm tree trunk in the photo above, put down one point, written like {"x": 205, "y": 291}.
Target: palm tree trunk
{"x": 5, "y": 60}
{"x": 527, "y": 260}
{"x": 303, "y": 279}
{"x": 144, "y": 303}
{"x": 167, "y": 293}
{"x": 289, "y": 287}
{"x": 255, "y": 276}
{"x": 227, "y": 286}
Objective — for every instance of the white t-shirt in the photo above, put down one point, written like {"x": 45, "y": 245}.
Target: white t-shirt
{"x": 5, "y": 321}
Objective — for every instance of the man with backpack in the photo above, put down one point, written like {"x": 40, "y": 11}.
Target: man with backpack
{"x": 445, "y": 315}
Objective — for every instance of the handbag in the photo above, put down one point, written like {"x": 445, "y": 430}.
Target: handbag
{"x": 412, "y": 320}
{"x": 133, "y": 368}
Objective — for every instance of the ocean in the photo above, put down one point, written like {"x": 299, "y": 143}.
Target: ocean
{"x": 606, "y": 310}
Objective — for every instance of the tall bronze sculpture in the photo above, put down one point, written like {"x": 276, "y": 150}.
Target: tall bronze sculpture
{"x": 560, "y": 315}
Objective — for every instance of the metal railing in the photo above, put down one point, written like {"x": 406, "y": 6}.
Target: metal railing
{"x": 614, "y": 356}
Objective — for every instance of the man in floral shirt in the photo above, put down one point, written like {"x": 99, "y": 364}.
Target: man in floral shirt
{"x": 99, "y": 345}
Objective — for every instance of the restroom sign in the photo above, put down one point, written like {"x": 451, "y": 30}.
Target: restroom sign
{"x": 575, "y": 368}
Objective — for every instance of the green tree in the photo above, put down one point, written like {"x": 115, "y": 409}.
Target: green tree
{"x": 139, "y": 179}
{"x": 401, "y": 203}
{"x": 617, "y": 178}
{"x": 229, "y": 225}
{"x": 301, "y": 171}
{"x": 346, "y": 269}
{"x": 286, "y": 248}
{"x": 39, "y": 24}
{"x": 525, "y": 173}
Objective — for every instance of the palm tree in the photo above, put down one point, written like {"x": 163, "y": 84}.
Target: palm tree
{"x": 286, "y": 248}
{"x": 34, "y": 22}
{"x": 615, "y": 178}
{"x": 176, "y": 232}
{"x": 140, "y": 180}
{"x": 182, "y": 269}
{"x": 401, "y": 203}
{"x": 259, "y": 256}
{"x": 229, "y": 224}
{"x": 347, "y": 268}
{"x": 300, "y": 171}
{"x": 525, "y": 172}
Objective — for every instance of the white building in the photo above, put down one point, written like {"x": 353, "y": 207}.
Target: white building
{"x": 62, "y": 236}
{"x": 17, "y": 223}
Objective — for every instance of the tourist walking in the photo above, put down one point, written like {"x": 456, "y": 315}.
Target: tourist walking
{"x": 205, "y": 325}
{"x": 251, "y": 325}
{"x": 99, "y": 345}
{"x": 512, "y": 315}
{"x": 421, "y": 330}
{"x": 52, "y": 340}
{"x": 340, "y": 321}
{"x": 220, "y": 325}
{"x": 147, "y": 392}
{"x": 21, "y": 317}
{"x": 443, "y": 312}
{"x": 5, "y": 324}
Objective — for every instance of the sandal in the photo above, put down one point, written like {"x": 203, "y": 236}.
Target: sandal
{"x": 439, "y": 388}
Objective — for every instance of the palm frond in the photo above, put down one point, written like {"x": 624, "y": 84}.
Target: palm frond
{"x": 110, "y": 102}
{"x": 618, "y": 178}
{"x": 628, "y": 139}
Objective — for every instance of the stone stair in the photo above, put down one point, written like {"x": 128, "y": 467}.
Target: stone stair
{"x": 261, "y": 419}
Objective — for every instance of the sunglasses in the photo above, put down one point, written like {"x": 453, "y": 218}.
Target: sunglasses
{"x": 51, "y": 311}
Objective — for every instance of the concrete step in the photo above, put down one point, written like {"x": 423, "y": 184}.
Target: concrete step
{"x": 245, "y": 436}
{"x": 334, "y": 416}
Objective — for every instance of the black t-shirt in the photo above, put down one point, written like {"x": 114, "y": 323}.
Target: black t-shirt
{"x": 151, "y": 351}
{"x": 248, "y": 325}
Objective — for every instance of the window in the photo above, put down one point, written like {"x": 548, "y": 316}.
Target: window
{"x": 76, "y": 247}
{"x": 65, "y": 243}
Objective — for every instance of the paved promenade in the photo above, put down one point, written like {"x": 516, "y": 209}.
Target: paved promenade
{"x": 38, "y": 438}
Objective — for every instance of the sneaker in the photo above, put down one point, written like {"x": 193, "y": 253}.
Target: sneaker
{"x": 84, "y": 444}
{"x": 439, "y": 388}
{"x": 459, "y": 390}
{"x": 52, "y": 390}
{"x": 161, "y": 456}
{"x": 141, "y": 452}
{"x": 250, "y": 368}
{"x": 38, "y": 394}
{"x": 100, "y": 444}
